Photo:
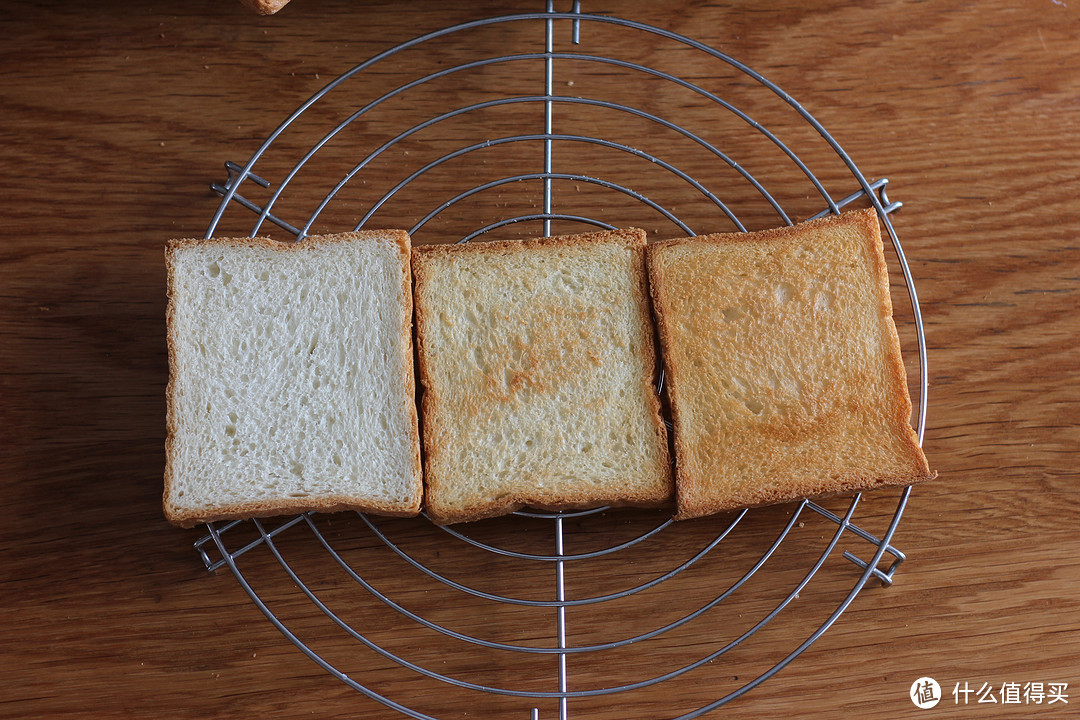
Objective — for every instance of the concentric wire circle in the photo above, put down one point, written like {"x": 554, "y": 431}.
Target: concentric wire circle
{"x": 460, "y": 151}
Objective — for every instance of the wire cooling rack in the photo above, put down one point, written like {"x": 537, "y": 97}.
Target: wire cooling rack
{"x": 532, "y": 615}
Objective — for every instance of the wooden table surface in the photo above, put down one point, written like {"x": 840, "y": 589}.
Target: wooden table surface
{"x": 118, "y": 116}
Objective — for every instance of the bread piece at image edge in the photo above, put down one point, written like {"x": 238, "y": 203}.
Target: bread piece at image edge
{"x": 538, "y": 370}
{"x": 783, "y": 365}
{"x": 265, "y": 7}
{"x": 290, "y": 378}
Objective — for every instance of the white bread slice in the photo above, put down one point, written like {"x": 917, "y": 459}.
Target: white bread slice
{"x": 539, "y": 375}
{"x": 291, "y": 378}
{"x": 782, "y": 365}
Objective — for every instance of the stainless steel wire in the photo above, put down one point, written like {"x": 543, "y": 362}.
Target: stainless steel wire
{"x": 562, "y": 556}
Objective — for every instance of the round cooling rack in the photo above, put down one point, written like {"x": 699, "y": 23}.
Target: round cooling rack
{"x": 538, "y": 124}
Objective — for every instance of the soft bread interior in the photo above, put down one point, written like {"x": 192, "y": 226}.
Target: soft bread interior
{"x": 537, "y": 363}
{"x": 291, "y": 378}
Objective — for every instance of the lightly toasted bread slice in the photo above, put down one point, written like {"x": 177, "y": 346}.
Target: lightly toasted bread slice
{"x": 539, "y": 371}
{"x": 291, "y": 381}
{"x": 782, "y": 365}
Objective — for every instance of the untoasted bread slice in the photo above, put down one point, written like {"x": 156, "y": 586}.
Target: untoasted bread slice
{"x": 782, "y": 365}
{"x": 539, "y": 376}
{"x": 291, "y": 378}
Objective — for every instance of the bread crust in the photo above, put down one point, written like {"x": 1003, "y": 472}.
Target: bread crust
{"x": 692, "y": 486}
{"x": 186, "y": 517}
{"x": 265, "y": 7}
{"x": 632, "y": 238}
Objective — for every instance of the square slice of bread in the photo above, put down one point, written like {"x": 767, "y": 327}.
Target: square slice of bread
{"x": 782, "y": 365}
{"x": 291, "y": 377}
{"x": 539, "y": 370}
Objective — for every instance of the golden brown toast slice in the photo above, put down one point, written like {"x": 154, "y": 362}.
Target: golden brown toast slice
{"x": 782, "y": 365}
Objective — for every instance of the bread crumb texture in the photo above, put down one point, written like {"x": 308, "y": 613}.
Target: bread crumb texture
{"x": 291, "y": 378}
{"x": 538, "y": 369}
{"x": 783, "y": 365}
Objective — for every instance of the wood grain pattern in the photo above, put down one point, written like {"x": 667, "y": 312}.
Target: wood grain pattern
{"x": 118, "y": 116}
